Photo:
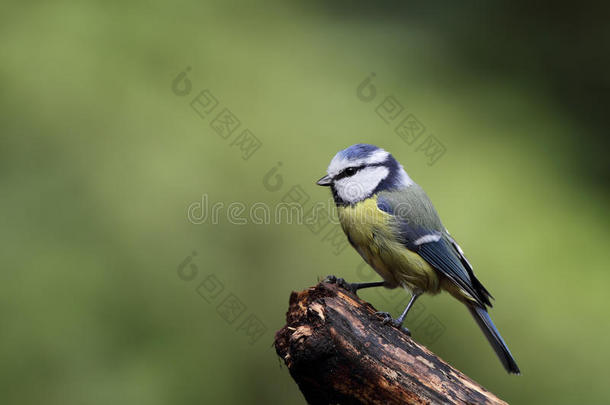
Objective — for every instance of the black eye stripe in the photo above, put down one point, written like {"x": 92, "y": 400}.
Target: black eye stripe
{"x": 350, "y": 171}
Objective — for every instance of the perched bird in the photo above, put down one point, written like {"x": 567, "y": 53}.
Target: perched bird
{"x": 392, "y": 223}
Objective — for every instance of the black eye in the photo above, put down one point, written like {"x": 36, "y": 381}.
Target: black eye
{"x": 350, "y": 171}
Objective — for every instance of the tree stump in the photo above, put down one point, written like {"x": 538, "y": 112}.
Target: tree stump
{"x": 340, "y": 352}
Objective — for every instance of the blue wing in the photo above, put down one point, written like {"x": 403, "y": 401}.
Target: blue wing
{"x": 432, "y": 242}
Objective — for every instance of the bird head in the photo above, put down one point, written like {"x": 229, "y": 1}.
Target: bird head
{"x": 362, "y": 170}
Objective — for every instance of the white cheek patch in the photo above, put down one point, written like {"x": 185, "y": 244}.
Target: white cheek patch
{"x": 339, "y": 163}
{"x": 362, "y": 184}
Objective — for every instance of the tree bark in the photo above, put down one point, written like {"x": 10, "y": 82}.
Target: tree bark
{"x": 340, "y": 352}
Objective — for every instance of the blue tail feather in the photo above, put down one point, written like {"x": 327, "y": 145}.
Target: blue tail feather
{"x": 495, "y": 339}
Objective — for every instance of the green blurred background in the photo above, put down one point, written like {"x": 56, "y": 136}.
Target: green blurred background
{"x": 100, "y": 160}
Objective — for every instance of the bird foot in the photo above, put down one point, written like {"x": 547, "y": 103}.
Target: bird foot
{"x": 340, "y": 282}
{"x": 388, "y": 320}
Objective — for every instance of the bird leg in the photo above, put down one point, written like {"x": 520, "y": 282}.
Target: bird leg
{"x": 387, "y": 318}
{"x": 401, "y": 318}
{"x": 359, "y": 286}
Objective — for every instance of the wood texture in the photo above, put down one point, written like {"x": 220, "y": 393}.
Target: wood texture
{"x": 339, "y": 352}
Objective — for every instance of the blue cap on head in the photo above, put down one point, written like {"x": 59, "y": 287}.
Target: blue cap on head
{"x": 358, "y": 151}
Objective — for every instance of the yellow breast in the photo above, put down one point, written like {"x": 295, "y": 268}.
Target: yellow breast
{"x": 376, "y": 239}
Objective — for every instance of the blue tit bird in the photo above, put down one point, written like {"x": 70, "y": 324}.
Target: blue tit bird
{"x": 393, "y": 225}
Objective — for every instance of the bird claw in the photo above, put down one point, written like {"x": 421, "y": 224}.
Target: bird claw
{"x": 388, "y": 320}
{"x": 340, "y": 282}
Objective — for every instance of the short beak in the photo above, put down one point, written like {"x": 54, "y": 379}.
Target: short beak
{"x": 325, "y": 181}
